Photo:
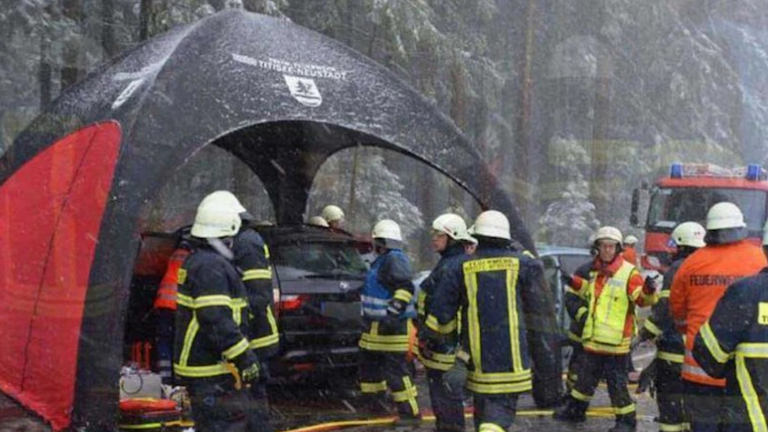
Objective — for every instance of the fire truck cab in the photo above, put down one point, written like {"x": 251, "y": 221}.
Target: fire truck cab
{"x": 687, "y": 193}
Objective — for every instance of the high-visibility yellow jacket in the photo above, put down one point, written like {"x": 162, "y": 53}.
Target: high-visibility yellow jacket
{"x": 612, "y": 291}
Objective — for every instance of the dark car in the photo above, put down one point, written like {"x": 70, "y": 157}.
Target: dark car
{"x": 559, "y": 260}
{"x": 319, "y": 273}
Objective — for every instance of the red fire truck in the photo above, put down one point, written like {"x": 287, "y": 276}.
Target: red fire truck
{"x": 687, "y": 193}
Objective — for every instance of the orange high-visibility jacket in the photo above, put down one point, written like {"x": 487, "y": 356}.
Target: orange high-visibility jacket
{"x": 169, "y": 286}
{"x": 697, "y": 287}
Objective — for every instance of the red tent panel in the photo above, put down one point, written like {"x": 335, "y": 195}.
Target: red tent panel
{"x": 50, "y": 215}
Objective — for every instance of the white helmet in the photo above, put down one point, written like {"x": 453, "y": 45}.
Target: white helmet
{"x": 689, "y": 234}
{"x": 725, "y": 215}
{"x": 608, "y": 233}
{"x": 387, "y": 229}
{"x": 216, "y": 218}
{"x": 223, "y": 197}
{"x": 630, "y": 240}
{"x": 318, "y": 221}
{"x": 332, "y": 213}
{"x": 454, "y": 226}
{"x": 491, "y": 223}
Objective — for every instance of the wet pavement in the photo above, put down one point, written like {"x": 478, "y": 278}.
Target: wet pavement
{"x": 296, "y": 406}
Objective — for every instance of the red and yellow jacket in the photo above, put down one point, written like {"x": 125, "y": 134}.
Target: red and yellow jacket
{"x": 612, "y": 291}
{"x": 167, "y": 293}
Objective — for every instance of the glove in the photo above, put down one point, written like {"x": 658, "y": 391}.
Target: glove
{"x": 396, "y": 307}
{"x": 250, "y": 374}
{"x": 647, "y": 381}
{"x": 455, "y": 377}
{"x": 247, "y": 366}
{"x": 567, "y": 279}
{"x": 649, "y": 286}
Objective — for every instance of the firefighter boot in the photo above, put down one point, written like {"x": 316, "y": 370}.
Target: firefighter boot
{"x": 625, "y": 423}
{"x": 572, "y": 411}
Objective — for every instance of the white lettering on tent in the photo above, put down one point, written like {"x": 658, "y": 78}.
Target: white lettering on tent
{"x": 293, "y": 68}
{"x": 126, "y": 93}
{"x": 304, "y": 90}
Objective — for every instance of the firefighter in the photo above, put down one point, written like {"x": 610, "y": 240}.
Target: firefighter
{"x": 733, "y": 344}
{"x": 697, "y": 286}
{"x": 384, "y": 344}
{"x": 165, "y": 311}
{"x": 445, "y": 375}
{"x": 211, "y": 355}
{"x": 629, "y": 251}
{"x": 334, "y": 216}
{"x": 612, "y": 290}
{"x": 660, "y": 327}
{"x": 489, "y": 292}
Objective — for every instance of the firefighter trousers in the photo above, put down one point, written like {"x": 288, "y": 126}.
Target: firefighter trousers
{"x": 382, "y": 370}
{"x": 494, "y": 412}
{"x": 259, "y": 419}
{"x": 704, "y": 404}
{"x": 217, "y": 406}
{"x": 613, "y": 368}
{"x": 669, "y": 396}
{"x": 447, "y": 398}
{"x": 573, "y": 366}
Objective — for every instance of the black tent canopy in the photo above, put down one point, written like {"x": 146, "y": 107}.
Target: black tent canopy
{"x": 278, "y": 96}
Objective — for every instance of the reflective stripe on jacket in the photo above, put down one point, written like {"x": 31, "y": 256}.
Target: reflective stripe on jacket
{"x": 252, "y": 259}
{"x": 211, "y": 320}
{"x": 733, "y": 344}
{"x": 612, "y": 291}
{"x": 699, "y": 284}
{"x": 169, "y": 285}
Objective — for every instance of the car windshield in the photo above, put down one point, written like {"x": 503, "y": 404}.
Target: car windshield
{"x": 670, "y": 206}
{"x": 315, "y": 260}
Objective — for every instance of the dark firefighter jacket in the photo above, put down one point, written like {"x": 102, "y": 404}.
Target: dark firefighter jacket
{"x": 493, "y": 291}
{"x": 212, "y": 316}
{"x": 441, "y": 355}
{"x": 661, "y": 326}
{"x": 252, "y": 260}
{"x": 388, "y": 279}
{"x": 733, "y": 345}
{"x": 576, "y": 306}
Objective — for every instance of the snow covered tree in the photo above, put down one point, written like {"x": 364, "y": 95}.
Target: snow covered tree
{"x": 570, "y": 219}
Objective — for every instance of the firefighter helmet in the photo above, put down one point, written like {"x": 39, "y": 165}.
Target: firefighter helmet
{"x": 223, "y": 197}
{"x": 452, "y": 225}
{"x": 725, "y": 215}
{"x": 630, "y": 240}
{"x": 216, "y": 217}
{"x": 318, "y": 221}
{"x": 491, "y": 223}
{"x": 689, "y": 234}
{"x": 608, "y": 233}
{"x": 387, "y": 229}
{"x": 332, "y": 213}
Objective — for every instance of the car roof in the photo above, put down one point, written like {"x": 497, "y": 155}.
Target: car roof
{"x": 547, "y": 250}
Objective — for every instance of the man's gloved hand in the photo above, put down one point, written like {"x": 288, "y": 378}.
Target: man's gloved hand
{"x": 647, "y": 381}
{"x": 567, "y": 279}
{"x": 396, "y": 307}
{"x": 251, "y": 374}
{"x": 649, "y": 286}
{"x": 455, "y": 377}
{"x": 248, "y": 367}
